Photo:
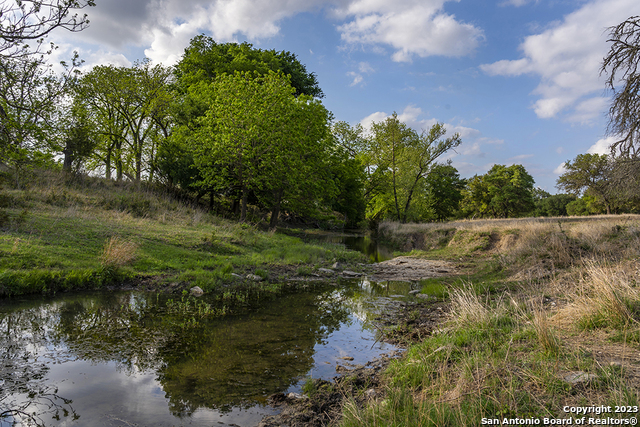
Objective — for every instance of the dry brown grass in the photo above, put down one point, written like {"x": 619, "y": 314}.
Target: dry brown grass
{"x": 118, "y": 252}
{"x": 467, "y": 309}
{"x": 606, "y": 296}
{"x": 546, "y": 336}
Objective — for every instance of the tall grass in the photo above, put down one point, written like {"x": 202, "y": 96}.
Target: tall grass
{"x": 118, "y": 252}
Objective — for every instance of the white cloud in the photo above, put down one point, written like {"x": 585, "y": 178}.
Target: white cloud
{"x": 567, "y": 58}
{"x": 165, "y": 27}
{"x": 410, "y": 27}
{"x": 602, "y": 146}
{"x": 376, "y": 117}
{"x": 363, "y": 68}
{"x": 560, "y": 169}
{"x": 357, "y": 78}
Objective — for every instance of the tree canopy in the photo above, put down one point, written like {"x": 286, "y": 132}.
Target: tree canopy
{"x": 397, "y": 161}
{"x": 261, "y": 138}
{"x": 503, "y": 192}
{"x": 587, "y": 173}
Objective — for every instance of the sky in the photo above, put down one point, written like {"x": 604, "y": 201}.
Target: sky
{"x": 519, "y": 80}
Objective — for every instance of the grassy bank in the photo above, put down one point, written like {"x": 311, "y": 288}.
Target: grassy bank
{"x": 544, "y": 317}
{"x": 61, "y": 234}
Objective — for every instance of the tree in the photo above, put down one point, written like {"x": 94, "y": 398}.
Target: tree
{"x": 553, "y": 205}
{"x": 259, "y": 136}
{"x": 27, "y": 91}
{"x": 204, "y": 59}
{"x": 588, "y": 174}
{"x": 621, "y": 66}
{"x": 202, "y": 62}
{"x": 399, "y": 160}
{"x": 129, "y": 107}
{"x": 503, "y": 192}
{"x": 444, "y": 188}
{"x": 78, "y": 140}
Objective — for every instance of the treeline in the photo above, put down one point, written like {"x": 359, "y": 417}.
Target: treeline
{"x": 243, "y": 131}
{"x": 240, "y": 129}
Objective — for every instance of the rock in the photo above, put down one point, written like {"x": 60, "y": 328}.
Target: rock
{"x": 326, "y": 270}
{"x": 296, "y": 396}
{"x": 346, "y": 358}
{"x": 196, "y": 291}
{"x": 351, "y": 273}
{"x": 254, "y": 277}
{"x": 578, "y": 377}
{"x": 423, "y": 296}
{"x": 414, "y": 292}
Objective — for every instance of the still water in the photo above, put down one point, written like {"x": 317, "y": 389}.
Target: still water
{"x": 129, "y": 358}
{"x": 375, "y": 251}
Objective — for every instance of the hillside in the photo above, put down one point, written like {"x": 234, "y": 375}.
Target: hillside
{"x": 63, "y": 234}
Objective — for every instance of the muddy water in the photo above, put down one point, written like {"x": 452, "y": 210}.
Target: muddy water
{"x": 126, "y": 358}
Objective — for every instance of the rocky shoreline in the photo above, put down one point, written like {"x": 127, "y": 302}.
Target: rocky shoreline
{"x": 408, "y": 322}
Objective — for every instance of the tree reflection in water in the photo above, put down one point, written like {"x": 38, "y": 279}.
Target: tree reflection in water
{"x": 215, "y": 363}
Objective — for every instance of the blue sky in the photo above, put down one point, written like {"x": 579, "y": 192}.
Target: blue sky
{"x": 518, "y": 79}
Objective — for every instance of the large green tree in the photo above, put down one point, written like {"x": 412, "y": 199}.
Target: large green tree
{"x": 130, "y": 111}
{"x": 398, "y": 160}
{"x": 503, "y": 192}
{"x": 202, "y": 62}
{"x": 257, "y": 134}
{"x": 588, "y": 173}
{"x": 444, "y": 190}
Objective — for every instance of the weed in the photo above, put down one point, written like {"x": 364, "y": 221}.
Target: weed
{"x": 466, "y": 308}
{"x": 117, "y": 253}
{"x": 546, "y": 337}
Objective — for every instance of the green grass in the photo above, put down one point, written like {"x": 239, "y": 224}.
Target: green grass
{"x": 497, "y": 366}
{"x": 58, "y": 243}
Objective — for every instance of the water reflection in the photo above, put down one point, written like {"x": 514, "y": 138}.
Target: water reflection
{"x": 123, "y": 357}
{"x": 365, "y": 244}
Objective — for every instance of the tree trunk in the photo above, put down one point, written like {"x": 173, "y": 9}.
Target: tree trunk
{"x": 243, "y": 209}
{"x": 68, "y": 158}
{"x": 118, "y": 161}
{"x": 275, "y": 211}
{"x": 107, "y": 165}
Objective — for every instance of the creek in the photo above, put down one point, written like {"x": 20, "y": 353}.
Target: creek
{"x": 131, "y": 358}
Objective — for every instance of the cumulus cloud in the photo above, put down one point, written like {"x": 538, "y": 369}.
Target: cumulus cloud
{"x": 409, "y": 27}
{"x": 166, "y": 26}
{"x": 560, "y": 169}
{"x": 602, "y": 146}
{"x": 567, "y": 57}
